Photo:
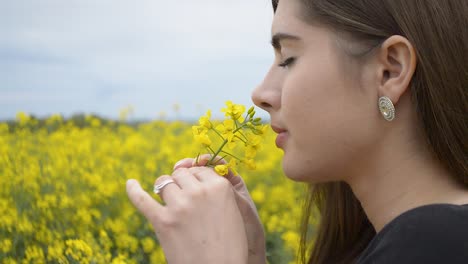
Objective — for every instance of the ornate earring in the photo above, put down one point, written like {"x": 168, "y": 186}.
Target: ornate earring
{"x": 386, "y": 108}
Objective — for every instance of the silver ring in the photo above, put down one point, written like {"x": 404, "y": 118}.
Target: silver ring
{"x": 158, "y": 187}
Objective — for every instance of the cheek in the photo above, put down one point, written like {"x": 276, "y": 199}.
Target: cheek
{"x": 328, "y": 122}
{"x": 327, "y": 153}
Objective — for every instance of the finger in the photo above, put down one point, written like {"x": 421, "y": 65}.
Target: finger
{"x": 204, "y": 174}
{"x": 185, "y": 179}
{"x": 170, "y": 191}
{"x": 205, "y": 158}
{"x": 184, "y": 163}
{"x": 235, "y": 180}
{"x": 143, "y": 201}
{"x": 202, "y": 160}
{"x": 239, "y": 186}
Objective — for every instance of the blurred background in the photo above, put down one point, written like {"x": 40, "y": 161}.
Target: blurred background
{"x": 95, "y": 92}
{"x": 163, "y": 59}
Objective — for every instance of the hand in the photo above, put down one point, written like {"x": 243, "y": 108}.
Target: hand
{"x": 252, "y": 223}
{"x": 200, "y": 222}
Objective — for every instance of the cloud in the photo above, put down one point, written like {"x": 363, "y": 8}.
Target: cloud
{"x": 150, "y": 53}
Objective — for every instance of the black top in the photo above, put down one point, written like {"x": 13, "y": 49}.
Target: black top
{"x": 435, "y": 233}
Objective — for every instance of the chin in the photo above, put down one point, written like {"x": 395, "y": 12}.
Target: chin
{"x": 296, "y": 172}
{"x": 306, "y": 171}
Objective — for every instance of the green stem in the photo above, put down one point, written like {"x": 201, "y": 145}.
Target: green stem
{"x": 216, "y": 131}
{"x": 239, "y": 128}
{"x": 241, "y": 139}
{"x": 216, "y": 154}
{"x": 229, "y": 154}
{"x": 243, "y": 123}
{"x": 210, "y": 149}
{"x": 247, "y": 118}
{"x": 242, "y": 134}
{"x": 220, "y": 159}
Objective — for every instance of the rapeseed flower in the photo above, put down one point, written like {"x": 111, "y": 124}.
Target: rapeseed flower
{"x": 235, "y": 132}
{"x": 222, "y": 169}
{"x": 234, "y": 111}
{"x": 63, "y": 181}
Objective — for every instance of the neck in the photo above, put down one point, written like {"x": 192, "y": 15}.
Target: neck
{"x": 401, "y": 178}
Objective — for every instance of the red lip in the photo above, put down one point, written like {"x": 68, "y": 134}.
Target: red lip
{"x": 277, "y": 129}
{"x": 282, "y": 136}
{"x": 281, "y": 139}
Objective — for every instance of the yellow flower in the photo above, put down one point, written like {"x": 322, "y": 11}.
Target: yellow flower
{"x": 127, "y": 242}
{"x": 34, "y": 254}
{"x": 119, "y": 259}
{"x": 258, "y": 195}
{"x": 55, "y": 252}
{"x": 232, "y": 166}
{"x": 23, "y": 118}
{"x": 222, "y": 169}
{"x": 227, "y": 129}
{"x": 95, "y": 122}
{"x": 104, "y": 240}
{"x": 234, "y": 111}
{"x": 196, "y": 130}
{"x": 53, "y": 119}
{"x": 236, "y": 133}
{"x": 158, "y": 256}
{"x": 78, "y": 249}
{"x": 4, "y": 128}
{"x": 292, "y": 240}
{"x": 250, "y": 163}
{"x": 9, "y": 261}
{"x": 5, "y": 245}
{"x": 204, "y": 121}
{"x": 72, "y": 188}
{"x": 148, "y": 244}
{"x": 203, "y": 139}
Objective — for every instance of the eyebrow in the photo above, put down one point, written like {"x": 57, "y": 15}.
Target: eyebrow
{"x": 278, "y": 37}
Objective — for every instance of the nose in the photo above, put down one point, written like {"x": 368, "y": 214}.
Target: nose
{"x": 267, "y": 95}
{"x": 259, "y": 99}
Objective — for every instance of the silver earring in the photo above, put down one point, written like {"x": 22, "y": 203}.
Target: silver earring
{"x": 386, "y": 108}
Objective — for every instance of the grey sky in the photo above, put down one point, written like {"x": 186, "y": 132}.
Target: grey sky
{"x": 99, "y": 56}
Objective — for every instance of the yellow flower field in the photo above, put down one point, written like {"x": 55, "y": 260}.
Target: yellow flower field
{"x": 63, "y": 199}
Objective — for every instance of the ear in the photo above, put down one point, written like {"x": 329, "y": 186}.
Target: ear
{"x": 396, "y": 66}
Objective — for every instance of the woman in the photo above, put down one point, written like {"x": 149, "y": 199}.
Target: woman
{"x": 369, "y": 100}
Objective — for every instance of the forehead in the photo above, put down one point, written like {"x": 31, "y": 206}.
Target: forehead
{"x": 287, "y": 18}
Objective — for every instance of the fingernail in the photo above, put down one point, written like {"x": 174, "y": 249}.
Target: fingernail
{"x": 177, "y": 164}
{"x": 130, "y": 182}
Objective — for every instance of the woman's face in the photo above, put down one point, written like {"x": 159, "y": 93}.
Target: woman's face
{"x": 320, "y": 101}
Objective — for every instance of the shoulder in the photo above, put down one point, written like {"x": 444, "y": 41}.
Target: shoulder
{"x": 436, "y": 233}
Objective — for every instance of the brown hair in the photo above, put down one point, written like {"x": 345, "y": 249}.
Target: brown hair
{"x": 438, "y": 29}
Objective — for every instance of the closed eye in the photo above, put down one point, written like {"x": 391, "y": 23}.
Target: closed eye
{"x": 287, "y": 62}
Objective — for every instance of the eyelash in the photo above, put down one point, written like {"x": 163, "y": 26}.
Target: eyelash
{"x": 287, "y": 62}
